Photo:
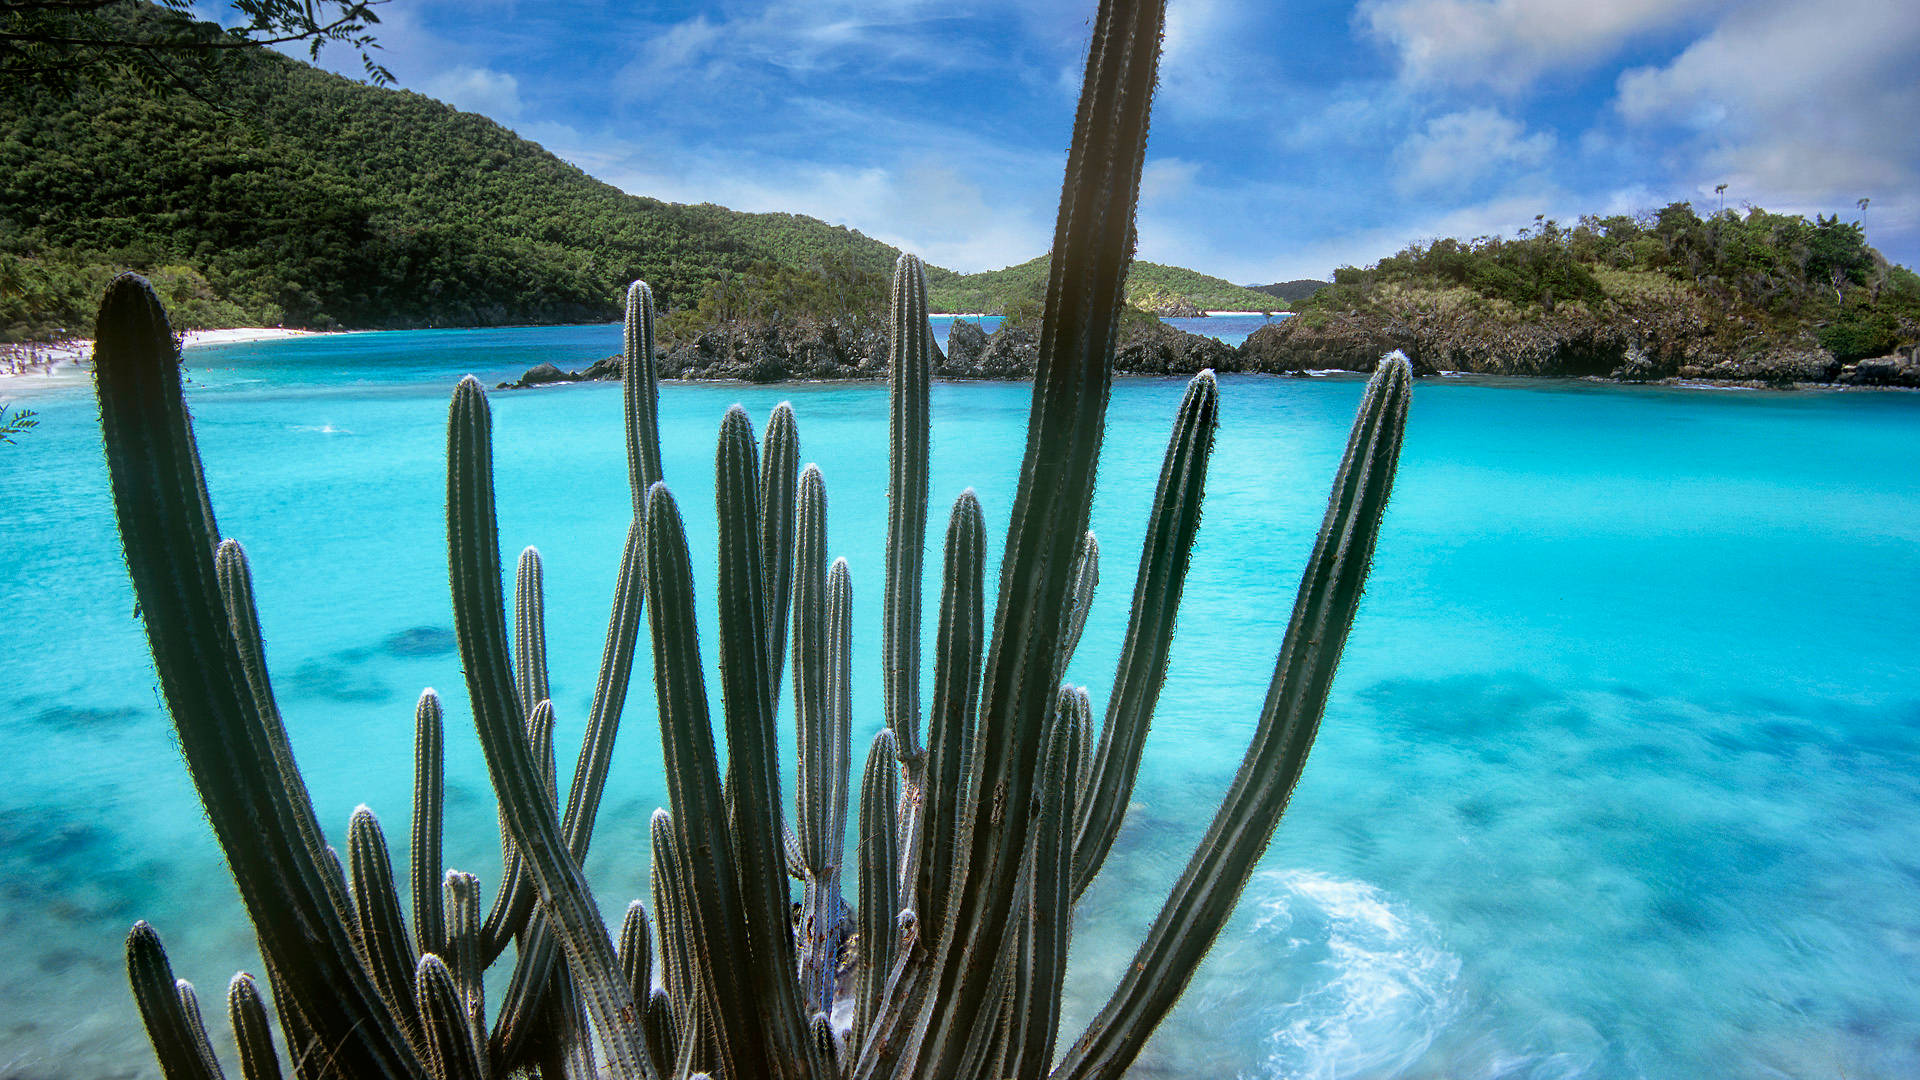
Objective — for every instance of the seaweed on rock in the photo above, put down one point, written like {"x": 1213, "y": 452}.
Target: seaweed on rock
{"x": 976, "y": 838}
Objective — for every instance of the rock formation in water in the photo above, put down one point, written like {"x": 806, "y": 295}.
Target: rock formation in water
{"x": 1655, "y": 348}
{"x": 1652, "y": 347}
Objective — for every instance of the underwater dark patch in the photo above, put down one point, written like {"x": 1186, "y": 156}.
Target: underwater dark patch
{"x": 336, "y": 682}
{"x": 420, "y": 641}
{"x": 76, "y": 717}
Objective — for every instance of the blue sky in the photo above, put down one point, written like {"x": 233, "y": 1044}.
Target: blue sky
{"x": 1290, "y": 136}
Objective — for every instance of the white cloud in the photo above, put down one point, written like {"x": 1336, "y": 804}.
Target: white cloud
{"x": 1796, "y": 107}
{"x": 1461, "y": 147}
{"x": 482, "y": 90}
{"x": 917, "y": 201}
{"x": 1507, "y": 44}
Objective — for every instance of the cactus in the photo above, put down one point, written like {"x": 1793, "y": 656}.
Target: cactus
{"x": 975, "y": 843}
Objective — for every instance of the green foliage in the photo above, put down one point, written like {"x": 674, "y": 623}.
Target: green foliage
{"x": 833, "y": 288}
{"x": 1780, "y": 272}
{"x": 56, "y": 45}
{"x": 315, "y": 201}
{"x": 999, "y": 291}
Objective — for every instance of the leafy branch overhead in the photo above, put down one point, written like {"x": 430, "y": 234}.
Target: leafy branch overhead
{"x": 60, "y": 44}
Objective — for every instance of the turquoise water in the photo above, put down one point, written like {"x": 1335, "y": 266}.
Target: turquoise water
{"x": 1618, "y": 779}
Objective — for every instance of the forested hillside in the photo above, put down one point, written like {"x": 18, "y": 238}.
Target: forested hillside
{"x": 993, "y": 291}
{"x": 316, "y": 201}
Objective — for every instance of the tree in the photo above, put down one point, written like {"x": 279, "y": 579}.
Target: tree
{"x": 59, "y": 44}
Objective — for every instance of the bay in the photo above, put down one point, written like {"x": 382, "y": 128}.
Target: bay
{"x": 1618, "y": 778}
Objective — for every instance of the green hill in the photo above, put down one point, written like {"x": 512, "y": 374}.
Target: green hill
{"x": 316, "y": 201}
{"x": 1292, "y": 291}
{"x": 993, "y": 291}
{"x": 1726, "y": 285}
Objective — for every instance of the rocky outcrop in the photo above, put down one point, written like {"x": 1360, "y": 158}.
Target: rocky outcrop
{"x": 548, "y": 374}
{"x": 1658, "y": 347}
{"x": 800, "y": 349}
{"x": 1901, "y": 368}
{"x": 1671, "y": 344}
{"x": 1164, "y": 350}
{"x": 966, "y": 343}
{"x": 1013, "y": 352}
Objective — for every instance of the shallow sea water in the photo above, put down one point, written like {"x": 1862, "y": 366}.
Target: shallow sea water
{"x": 1620, "y": 777}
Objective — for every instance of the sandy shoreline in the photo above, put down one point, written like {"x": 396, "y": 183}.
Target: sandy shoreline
{"x": 48, "y": 359}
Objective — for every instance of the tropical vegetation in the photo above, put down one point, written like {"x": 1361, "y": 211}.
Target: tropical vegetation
{"x": 1742, "y": 275}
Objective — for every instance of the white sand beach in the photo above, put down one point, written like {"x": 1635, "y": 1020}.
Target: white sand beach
{"x": 58, "y": 359}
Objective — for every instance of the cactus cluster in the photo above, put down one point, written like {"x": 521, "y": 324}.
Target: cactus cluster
{"x": 976, "y": 837}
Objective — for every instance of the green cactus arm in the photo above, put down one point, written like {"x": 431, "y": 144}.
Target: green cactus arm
{"x": 1086, "y": 578}
{"x": 451, "y": 1053}
{"x": 513, "y": 902}
{"x": 1082, "y": 769}
{"x": 640, "y": 397}
{"x": 665, "y": 884}
{"x": 473, "y": 557}
{"x": 748, "y": 691}
{"x": 1037, "y": 1018}
{"x": 636, "y": 954}
{"x": 463, "y": 941}
{"x": 815, "y": 848}
{"x": 1093, "y": 244}
{"x": 384, "y": 945}
{"x": 1323, "y": 613}
{"x": 236, "y": 592}
{"x": 779, "y": 475}
{"x": 534, "y": 964}
{"x": 715, "y": 915}
{"x": 879, "y": 875}
{"x": 909, "y": 375}
{"x": 168, "y": 533}
{"x": 197, "y": 1025}
{"x": 956, "y": 695}
{"x": 429, "y": 809}
{"x": 609, "y": 695}
{"x": 252, "y": 1031}
{"x": 825, "y": 757}
{"x": 162, "y": 1010}
{"x": 663, "y": 1039}
{"x": 530, "y": 631}
{"x": 893, "y": 1035}
{"x": 1165, "y": 554}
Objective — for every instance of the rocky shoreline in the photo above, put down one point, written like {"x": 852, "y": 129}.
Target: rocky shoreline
{"x": 1639, "y": 350}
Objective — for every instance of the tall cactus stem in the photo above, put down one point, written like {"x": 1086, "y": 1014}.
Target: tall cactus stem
{"x": 640, "y": 397}
{"x": 1092, "y": 247}
{"x": 157, "y": 993}
{"x": 1165, "y": 554}
{"x": 429, "y": 808}
{"x": 1330, "y": 590}
{"x": 879, "y": 885}
{"x": 473, "y": 552}
{"x": 384, "y": 945}
{"x": 252, "y": 1031}
{"x": 259, "y": 814}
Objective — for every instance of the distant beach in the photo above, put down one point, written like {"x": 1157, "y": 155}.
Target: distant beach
{"x": 51, "y": 358}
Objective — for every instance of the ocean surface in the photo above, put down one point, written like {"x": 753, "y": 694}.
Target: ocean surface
{"x": 1620, "y": 777}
